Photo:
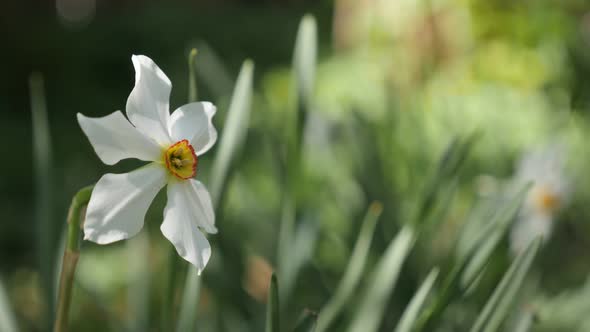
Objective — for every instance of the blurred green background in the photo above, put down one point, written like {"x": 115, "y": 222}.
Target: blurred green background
{"x": 396, "y": 83}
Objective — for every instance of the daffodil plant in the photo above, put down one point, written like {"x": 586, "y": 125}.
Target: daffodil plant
{"x": 172, "y": 143}
{"x": 544, "y": 167}
{"x": 117, "y": 204}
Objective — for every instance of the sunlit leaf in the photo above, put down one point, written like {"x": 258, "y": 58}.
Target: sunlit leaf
{"x": 354, "y": 270}
{"x": 232, "y": 139}
{"x": 448, "y": 166}
{"x": 7, "y": 318}
{"x": 304, "y": 239}
{"x": 272, "y": 307}
{"x": 139, "y": 287}
{"x": 192, "y": 80}
{"x": 213, "y": 72}
{"x": 42, "y": 166}
{"x": 304, "y": 61}
{"x": 234, "y": 130}
{"x": 370, "y": 310}
{"x": 307, "y": 322}
{"x": 474, "y": 255}
{"x": 412, "y": 311}
{"x": 487, "y": 242}
{"x": 524, "y": 321}
{"x": 504, "y": 296}
{"x": 190, "y": 301}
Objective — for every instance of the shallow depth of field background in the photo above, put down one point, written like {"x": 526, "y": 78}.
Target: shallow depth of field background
{"x": 396, "y": 82}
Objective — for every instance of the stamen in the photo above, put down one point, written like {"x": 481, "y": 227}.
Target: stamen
{"x": 181, "y": 160}
{"x": 547, "y": 200}
{"x": 178, "y": 152}
{"x": 176, "y": 162}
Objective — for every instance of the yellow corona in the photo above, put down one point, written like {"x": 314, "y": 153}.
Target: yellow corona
{"x": 181, "y": 160}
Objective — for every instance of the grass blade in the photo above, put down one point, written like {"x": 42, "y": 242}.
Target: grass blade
{"x": 307, "y": 322}
{"x": 213, "y": 72}
{"x": 491, "y": 240}
{"x": 192, "y": 80}
{"x": 472, "y": 258}
{"x": 410, "y": 315}
{"x": 42, "y": 165}
{"x": 138, "y": 293}
{"x": 525, "y": 321}
{"x": 354, "y": 270}
{"x": 304, "y": 61}
{"x": 190, "y": 301}
{"x": 304, "y": 238}
{"x": 234, "y": 131}
{"x": 448, "y": 166}
{"x": 304, "y": 64}
{"x": 304, "y": 68}
{"x": 373, "y": 304}
{"x": 7, "y": 318}
{"x": 272, "y": 307}
{"x": 501, "y": 301}
{"x": 168, "y": 304}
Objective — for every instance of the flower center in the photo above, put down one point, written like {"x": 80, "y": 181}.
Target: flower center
{"x": 181, "y": 160}
{"x": 546, "y": 199}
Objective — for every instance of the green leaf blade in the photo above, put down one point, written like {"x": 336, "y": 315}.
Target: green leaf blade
{"x": 307, "y": 323}
{"x": 354, "y": 269}
{"x": 7, "y": 317}
{"x": 192, "y": 80}
{"x": 190, "y": 301}
{"x": 43, "y": 171}
{"x": 499, "y": 304}
{"x": 410, "y": 315}
{"x": 305, "y": 57}
{"x": 272, "y": 307}
{"x": 234, "y": 131}
{"x": 382, "y": 283}
{"x": 236, "y": 126}
{"x": 502, "y": 221}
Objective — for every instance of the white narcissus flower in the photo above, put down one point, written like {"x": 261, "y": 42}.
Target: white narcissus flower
{"x": 173, "y": 144}
{"x": 545, "y": 169}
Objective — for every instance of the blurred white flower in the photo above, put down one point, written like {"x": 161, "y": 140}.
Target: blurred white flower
{"x": 172, "y": 143}
{"x": 545, "y": 169}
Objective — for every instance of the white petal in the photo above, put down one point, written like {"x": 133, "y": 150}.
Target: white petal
{"x": 114, "y": 138}
{"x": 119, "y": 202}
{"x": 147, "y": 105}
{"x": 181, "y": 228}
{"x": 528, "y": 227}
{"x": 196, "y": 202}
{"x": 194, "y": 122}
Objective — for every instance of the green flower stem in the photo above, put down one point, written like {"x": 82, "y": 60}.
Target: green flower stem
{"x": 168, "y": 302}
{"x": 192, "y": 80}
{"x": 174, "y": 263}
{"x": 44, "y": 209}
{"x": 70, "y": 258}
